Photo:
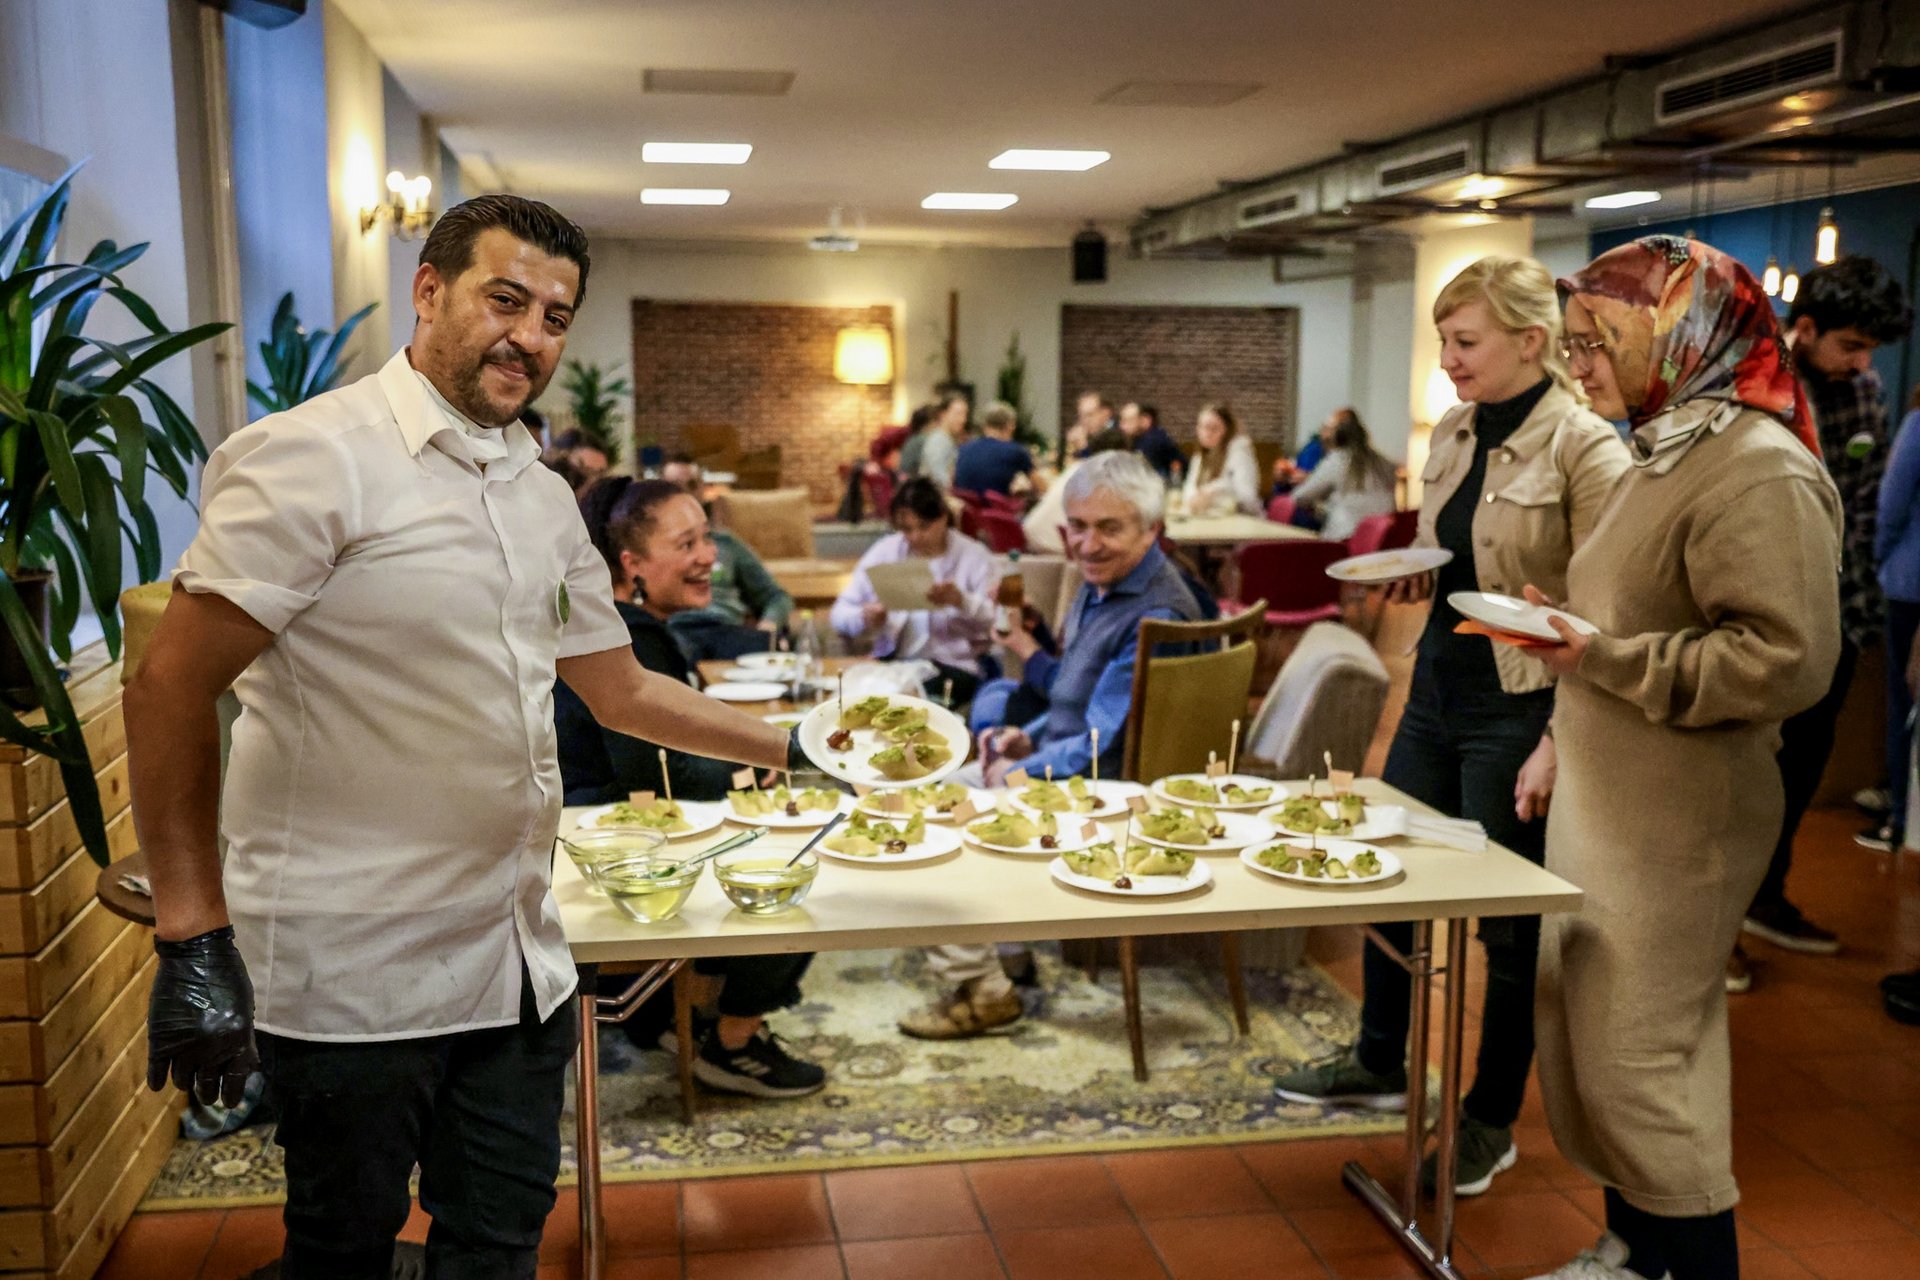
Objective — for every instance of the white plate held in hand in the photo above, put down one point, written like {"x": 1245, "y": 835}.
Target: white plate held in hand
{"x": 1509, "y": 613}
{"x": 747, "y": 691}
{"x": 851, "y": 765}
{"x": 1389, "y": 566}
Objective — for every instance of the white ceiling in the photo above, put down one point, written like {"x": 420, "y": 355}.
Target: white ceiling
{"x": 894, "y": 99}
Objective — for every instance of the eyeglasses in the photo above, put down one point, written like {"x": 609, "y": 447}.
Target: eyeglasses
{"x": 1573, "y": 347}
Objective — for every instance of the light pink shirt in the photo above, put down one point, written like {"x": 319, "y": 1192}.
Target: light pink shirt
{"x": 956, "y": 637}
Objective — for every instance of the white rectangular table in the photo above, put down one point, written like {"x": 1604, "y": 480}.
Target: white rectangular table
{"x": 973, "y": 896}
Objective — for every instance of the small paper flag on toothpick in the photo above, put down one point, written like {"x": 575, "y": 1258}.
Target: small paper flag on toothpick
{"x": 1018, "y": 777}
{"x": 666, "y": 777}
{"x": 1088, "y": 831}
{"x": 892, "y": 802}
{"x": 1136, "y": 804}
{"x": 1342, "y": 779}
{"x": 742, "y": 779}
{"x": 965, "y": 812}
{"x": 1214, "y": 768}
{"x": 641, "y": 799}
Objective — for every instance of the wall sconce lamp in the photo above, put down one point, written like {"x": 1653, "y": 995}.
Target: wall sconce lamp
{"x": 1770, "y": 278}
{"x": 1826, "y": 239}
{"x": 408, "y": 206}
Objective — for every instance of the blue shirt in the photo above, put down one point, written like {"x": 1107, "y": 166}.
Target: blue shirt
{"x": 1090, "y": 686}
{"x": 987, "y": 465}
{"x": 1160, "y": 450}
{"x": 1896, "y": 541}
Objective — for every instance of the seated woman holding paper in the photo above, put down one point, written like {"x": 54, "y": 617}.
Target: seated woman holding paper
{"x": 654, "y": 538}
{"x": 924, "y": 591}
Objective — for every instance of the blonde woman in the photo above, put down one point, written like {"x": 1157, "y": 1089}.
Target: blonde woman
{"x": 1514, "y": 484}
{"x": 1224, "y": 478}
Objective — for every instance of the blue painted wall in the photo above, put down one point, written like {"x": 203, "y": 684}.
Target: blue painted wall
{"x": 1883, "y": 225}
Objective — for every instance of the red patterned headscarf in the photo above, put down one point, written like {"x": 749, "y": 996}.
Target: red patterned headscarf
{"x": 1683, "y": 321}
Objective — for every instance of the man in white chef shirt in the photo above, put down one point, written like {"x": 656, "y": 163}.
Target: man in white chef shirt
{"x": 389, "y": 581}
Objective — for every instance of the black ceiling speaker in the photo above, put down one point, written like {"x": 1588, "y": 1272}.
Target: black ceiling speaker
{"x": 1090, "y": 257}
{"x": 260, "y": 13}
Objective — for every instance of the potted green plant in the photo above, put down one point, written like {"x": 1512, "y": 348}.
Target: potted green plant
{"x": 593, "y": 399}
{"x": 300, "y": 365}
{"x": 81, "y": 426}
{"x": 1010, "y": 387}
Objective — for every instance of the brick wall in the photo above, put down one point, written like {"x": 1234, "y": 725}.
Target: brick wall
{"x": 766, "y": 369}
{"x": 1178, "y": 358}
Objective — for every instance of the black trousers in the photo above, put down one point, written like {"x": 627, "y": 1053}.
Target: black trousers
{"x": 1461, "y": 753}
{"x": 751, "y": 987}
{"x": 1805, "y": 743}
{"x": 479, "y": 1111}
{"x": 1903, "y": 622}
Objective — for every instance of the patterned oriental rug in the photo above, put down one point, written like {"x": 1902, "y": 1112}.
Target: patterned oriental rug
{"x": 1062, "y": 1082}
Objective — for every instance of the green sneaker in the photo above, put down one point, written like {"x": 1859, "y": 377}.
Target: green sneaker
{"x": 1342, "y": 1081}
{"x": 1481, "y": 1152}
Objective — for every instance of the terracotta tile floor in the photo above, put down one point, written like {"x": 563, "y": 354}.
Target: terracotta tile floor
{"x": 1827, "y": 1104}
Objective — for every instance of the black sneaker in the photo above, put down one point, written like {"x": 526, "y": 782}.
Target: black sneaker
{"x": 1782, "y": 924}
{"x": 762, "y": 1067}
{"x": 1900, "y": 996}
{"x": 1875, "y": 802}
{"x": 1884, "y": 838}
{"x": 1341, "y": 1081}
{"x": 1481, "y": 1152}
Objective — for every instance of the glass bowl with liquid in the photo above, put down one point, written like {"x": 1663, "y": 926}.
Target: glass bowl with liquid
{"x": 592, "y": 848}
{"x": 648, "y": 887}
{"x": 761, "y": 883}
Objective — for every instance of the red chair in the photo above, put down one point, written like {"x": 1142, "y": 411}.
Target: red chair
{"x": 1406, "y": 527}
{"x": 1280, "y": 508}
{"x": 1001, "y": 531}
{"x": 970, "y": 519}
{"x": 1292, "y": 577}
{"x": 879, "y": 482}
{"x": 969, "y": 497}
{"x": 1369, "y": 535}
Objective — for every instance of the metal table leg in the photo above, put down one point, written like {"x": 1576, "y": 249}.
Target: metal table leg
{"x": 594, "y": 1010}
{"x": 1435, "y": 1256}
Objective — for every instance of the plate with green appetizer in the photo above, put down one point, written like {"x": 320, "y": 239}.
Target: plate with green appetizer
{"x": 1075, "y": 796}
{"x": 677, "y": 818}
{"x": 887, "y": 740}
{"x": 786, "y": 807}
{"x": 1323, "y": 862}
{"x": 935, "y": 801}
{"x": 893, "y": 839}
{"x": 1344, "y": 815}
{"x": 1200, "y": 829}
{"x": 1142, "y": 871}
{"x": 1008, "y": 830}
{"x": 1228, "y": 791}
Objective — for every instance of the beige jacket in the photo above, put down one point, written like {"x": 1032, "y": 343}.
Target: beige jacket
{"x": 1542, "y": 495}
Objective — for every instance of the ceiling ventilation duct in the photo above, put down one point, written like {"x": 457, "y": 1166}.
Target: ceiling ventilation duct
{"x": 1767, "y": 77}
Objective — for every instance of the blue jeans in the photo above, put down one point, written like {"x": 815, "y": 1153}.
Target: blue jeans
{"x": 1903, "y": 621}
{"x": 1461, "y": 753}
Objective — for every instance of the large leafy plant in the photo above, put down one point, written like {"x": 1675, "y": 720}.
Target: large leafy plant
{"x": 300, "y": 364}
{"x": 81, "y": 427}
{"x": 593, "y": 399}
{"x": 1011, "y": 388}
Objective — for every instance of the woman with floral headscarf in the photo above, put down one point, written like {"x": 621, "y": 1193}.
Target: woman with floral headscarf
{"x": 1709, "y": 576}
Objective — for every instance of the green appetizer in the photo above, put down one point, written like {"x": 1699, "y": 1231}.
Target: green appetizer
{"x": 754, "y": 803}
{"x": 1016, "y": 830}
{"x": 660, "y": 815}
{"x": 861, "y": 713}
{"x": 1196, "y": 827}
{"x": 861, "y": 838}
{"x": 1072, "y": 796}
{"x": 1310, "y": 817}
{"x": 913, "y": 760}
{"x": 1103, "y": 861}
{"x": 1318, "y": 866}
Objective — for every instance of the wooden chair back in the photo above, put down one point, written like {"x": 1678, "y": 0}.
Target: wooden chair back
{"x": 776, "y": 523}
{"x": 1185, "y": 702}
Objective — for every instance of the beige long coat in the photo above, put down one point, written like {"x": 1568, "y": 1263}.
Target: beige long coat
{"x": 1714, "y": 588}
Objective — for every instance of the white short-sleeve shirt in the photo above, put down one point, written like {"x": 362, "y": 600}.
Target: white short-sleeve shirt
{"x": 393, "y": 792}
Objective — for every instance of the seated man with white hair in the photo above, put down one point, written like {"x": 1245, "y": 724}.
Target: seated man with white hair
{"x": 1114, "y": 504}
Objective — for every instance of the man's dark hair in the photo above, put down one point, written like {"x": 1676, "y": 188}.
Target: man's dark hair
{"x": 949, "y": 398}
{"x": 1854, "y": 293}
{"x": 449, "y": 246}
{"x": 1147, "y": 411}
{"x": 679, "y": 457}
{"x": 920, "y": 418}
{"x": 922, "y": 497}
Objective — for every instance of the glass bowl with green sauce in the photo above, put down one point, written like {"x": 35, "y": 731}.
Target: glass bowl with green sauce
{"x": 650, "y": 887}
{"x": 592, "y": 848}
{"x": 761, "y": 883}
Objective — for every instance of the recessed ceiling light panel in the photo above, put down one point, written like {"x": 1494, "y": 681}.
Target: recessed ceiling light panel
{"x": 968, "y": 200}
{"x": 727, "y": 82}
{"x": 695, "y": 152}
{"x": 685, "y": 195}
{"x": 1061, "y": 161}
{"x": 1623, "y": 200}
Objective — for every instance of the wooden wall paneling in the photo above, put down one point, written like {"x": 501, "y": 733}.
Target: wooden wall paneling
{"x": 29, "y": 854}
{"x": 37, "y": 1112}
{"x": 29, "y": 985}
{"x": 31, "y": 1050}
{"x": 30, "y": 919}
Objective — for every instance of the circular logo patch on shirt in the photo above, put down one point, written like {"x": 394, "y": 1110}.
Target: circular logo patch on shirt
{"x": 562, "y": 605}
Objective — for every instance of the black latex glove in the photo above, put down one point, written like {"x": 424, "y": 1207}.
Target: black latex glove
{"x": 200, "y": 1018}
{"x": 796, "y": 758}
